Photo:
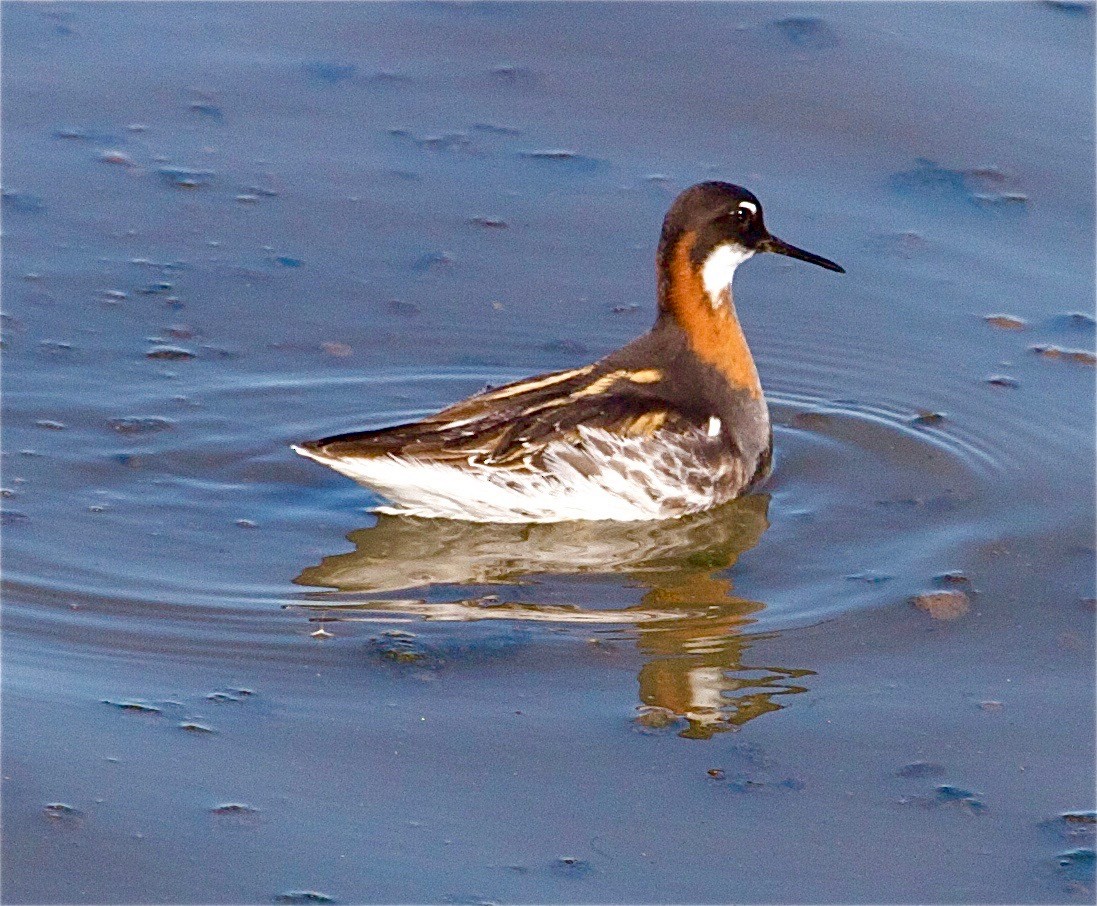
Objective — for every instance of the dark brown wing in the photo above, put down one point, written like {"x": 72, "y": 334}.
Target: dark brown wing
{"x": 512, "y": 425}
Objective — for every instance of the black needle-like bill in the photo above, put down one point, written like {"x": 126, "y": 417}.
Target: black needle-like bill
{"x": 780, "y": 247}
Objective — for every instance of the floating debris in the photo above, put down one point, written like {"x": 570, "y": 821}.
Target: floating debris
{"x": 995, "y": 199}
{"x": 234, "y": 810}
{"x": 169, "y": 353}
{"x": 402, "y": 648}
{"x": 513, "y": 74}
{"x": 208, "y": 110}
{"x": 184, "y": 178}
{"x": 119, "y": 158}
{"x": 1081, "y": 356}
{"x": 136, "y": 707}
{"x": 73, "y": 133}
{"x": 571, "y": 867}
{"x": 303, "y": 897}
{"x": 869, "y": 577}
{"x": 59, "y": 811}
{"x": 943, "y": 605}
{"x": 927, "y": 419}
{"x": 135, "y": 424}
{"x": 953, "y": 577}
{"x": 445, "y": 141}
{"x": 969, "y": 801}
{"x": 920, "y": 769}
{"x": 1002, "y": 380}
{"x": 990, "y": 705}
{"x": 49, "y": 424}
{"x": 1077, "y": 825}
{"x": 652, "y": 718}
{"x": 626, "y": 309}
{"x": 55, "y": 347}
{"x": 193, "y": 727}
{"x": 247, "y": 523}
{"x": 716, "y": 773}
{"x": 552, "y": 154}
{"x": 1006, "y": 322}
{"x": 1081, "y": 857}
{"x": 491, "y": 223}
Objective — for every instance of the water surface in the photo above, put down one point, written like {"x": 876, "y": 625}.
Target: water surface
{"x": 231, "y": 227}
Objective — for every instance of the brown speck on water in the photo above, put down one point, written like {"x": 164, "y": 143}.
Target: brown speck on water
{"x": 336, "y": 349}
{"x": 1002, "y": 380}
{"x": 194, "y": 727}
{"x": 492, "y": 223}
{"x": 943, "y": 605}
{"x": 953, "y": 577}
{"x": 716, "y": 773}
{"x": 1081, "y": 356}
{"x": 926, "y": 418}
{"x": 1006, "y": 322}
{"x": 119, "y": 158}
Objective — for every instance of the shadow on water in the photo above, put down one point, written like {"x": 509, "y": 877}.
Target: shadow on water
{"x": 689, "y": 627}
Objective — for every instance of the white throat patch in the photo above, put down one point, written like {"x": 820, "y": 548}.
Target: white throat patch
{"x": 719, "y": 270}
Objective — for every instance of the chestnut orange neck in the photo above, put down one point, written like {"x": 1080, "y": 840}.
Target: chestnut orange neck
{"x": 712, "y": 331}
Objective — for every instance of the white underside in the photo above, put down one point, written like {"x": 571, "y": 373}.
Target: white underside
{"x": 604, "y": 477}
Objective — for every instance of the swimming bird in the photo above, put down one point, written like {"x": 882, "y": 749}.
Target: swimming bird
{"x": 673, "y": 423}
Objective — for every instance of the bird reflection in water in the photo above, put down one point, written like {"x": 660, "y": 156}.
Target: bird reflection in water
{"x": 689, "y": 626}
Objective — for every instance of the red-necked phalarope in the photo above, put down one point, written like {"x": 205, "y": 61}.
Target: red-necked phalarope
{"x": 673, "y": 423}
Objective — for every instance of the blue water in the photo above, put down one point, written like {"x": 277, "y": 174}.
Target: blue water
{"x": 231, "y": 227}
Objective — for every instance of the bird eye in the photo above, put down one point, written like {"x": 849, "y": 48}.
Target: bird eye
{"x": 742, "y": 215}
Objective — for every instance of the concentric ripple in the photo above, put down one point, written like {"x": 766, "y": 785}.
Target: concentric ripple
{"x": 221, "y": 459}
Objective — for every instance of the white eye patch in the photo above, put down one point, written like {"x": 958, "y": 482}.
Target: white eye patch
{"x": 749, "y": 206}
{"x": 719, "y": 269}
